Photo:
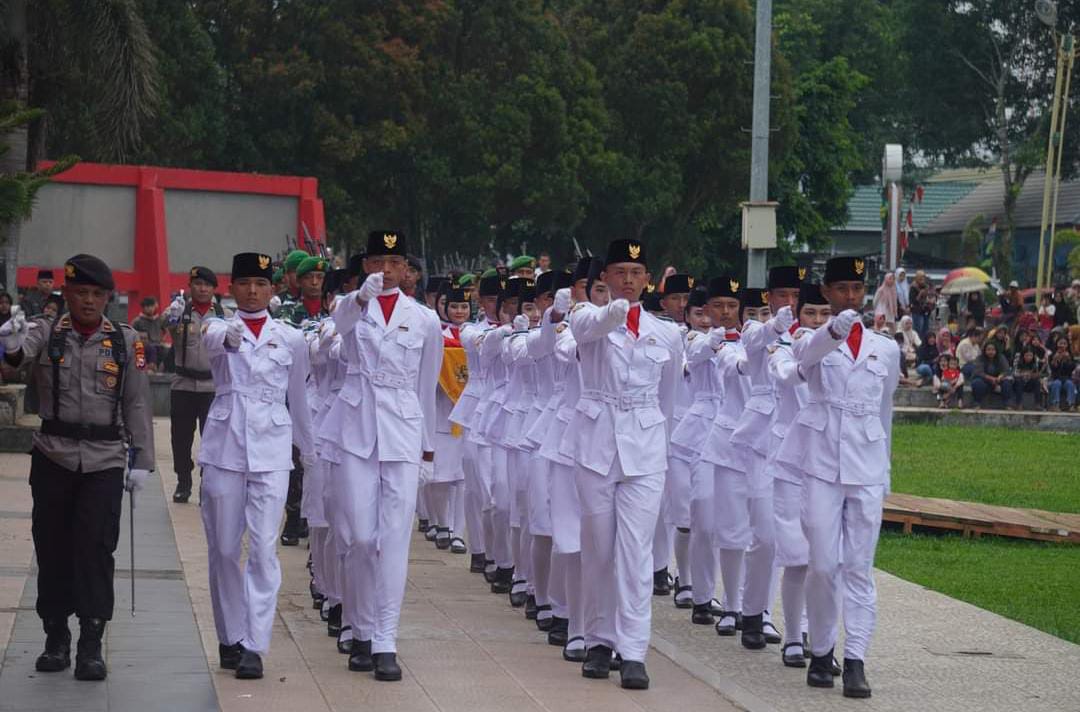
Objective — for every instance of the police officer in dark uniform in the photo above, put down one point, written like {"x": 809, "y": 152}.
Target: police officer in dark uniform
{"x": 192, "y": 385}
{"x": 95, "y": 411}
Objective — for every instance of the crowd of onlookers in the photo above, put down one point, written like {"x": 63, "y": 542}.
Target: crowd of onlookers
{"x": 964, "y": 352}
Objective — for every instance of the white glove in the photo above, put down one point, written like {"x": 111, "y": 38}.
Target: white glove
{"x": 717, "y": 337}
{"x": 275, "y": 304}
{"x": 13, "y": 332}
{"x": 561, "y": 304}
{"x": 135, "y": 480}
{"x": 371, "y": 288}
{"x": 175, "y": 310}
{"x": 326, "y": 334}
{"x": 619, "y": 309}
{"x": 521, "y": 323}
{"x": 234, "y": 334}
{"x": 783, "y": 320}
{"x": 505, "y": 330}
{"x": 309, "y": 460}
{"x": 427, "y": 471}
{"x": 842, "y": 323}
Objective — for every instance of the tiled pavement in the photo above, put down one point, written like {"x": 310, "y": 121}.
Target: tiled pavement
{"x": 464, "y": 649}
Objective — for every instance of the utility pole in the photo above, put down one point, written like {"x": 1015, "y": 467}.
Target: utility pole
{"x": 757, "y": 249}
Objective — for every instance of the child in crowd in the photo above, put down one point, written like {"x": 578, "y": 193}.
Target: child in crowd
{"x": 949, "y": 386}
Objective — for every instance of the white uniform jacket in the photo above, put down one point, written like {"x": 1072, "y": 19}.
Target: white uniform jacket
{"x": 752, "y": 427}
{"x": 386, "y": 406}
{"x": 249, "y": 428}
{"x": 845, "y": 432}
{"x": 628, "y": 390}
{"x": 792, "y": 395}
{"x": 708, "y": 389}
{"x": 463, "y": 411}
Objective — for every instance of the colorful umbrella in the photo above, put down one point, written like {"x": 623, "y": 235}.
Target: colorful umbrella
{"x": 964, "y": 280}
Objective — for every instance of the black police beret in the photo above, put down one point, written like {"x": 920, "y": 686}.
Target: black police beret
{"x": 386, "y": 242}
{"x": 205, "y": 274}
{"x": 252, "y": 264}
{"x": 87, "y": 269}
{"x": 45, "y": 274}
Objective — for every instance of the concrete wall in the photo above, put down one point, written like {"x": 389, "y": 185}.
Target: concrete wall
{"x": 72, "y": 218}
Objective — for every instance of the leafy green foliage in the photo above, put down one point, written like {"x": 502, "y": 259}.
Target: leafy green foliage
{"x": 17, "y": 190}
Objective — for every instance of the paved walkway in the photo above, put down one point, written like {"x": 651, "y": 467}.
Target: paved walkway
{"x": 464, "y": 649}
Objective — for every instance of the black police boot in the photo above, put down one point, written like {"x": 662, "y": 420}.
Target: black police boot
{"x": 661, "y": 582}
{"x": 855, "y": 684}
{"x": 333, "y": 622}
{"x": 386, "y": 667}
{"x": 597, "y": 665}
{"x": 753, "y": 633}
{"x": 702, "y": 614}
{"x": 182, "y": 494}
{"x": 632, "y": 675}
{"x": 360, "y": 659}
{"x": 250, "y": 666}
{"x": 820, "y": 672}
{"x": 57, "y": 655}
{"x": 504, "y": 580}
{"x": 229, "y": 655}
{"x": 89, "y": 665}
{"x": 559, "y": 633}
{"x": 476, "y": 564}
{"x": 290, "y": 535}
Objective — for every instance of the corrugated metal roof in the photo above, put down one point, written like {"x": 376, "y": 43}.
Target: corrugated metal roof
{"x": 864, "y": 208}
{"x": 986, "y": 199}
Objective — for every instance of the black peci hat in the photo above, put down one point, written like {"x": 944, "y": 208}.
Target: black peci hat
{"x": 491, "y": 286}
{"x": 87, "y": 269}
{"x": 456, "y": 295}
{"x": 620, "y": 251}
{"x": 563, "y": 280}
{"x": 724, "y": 287}
{"x": 678, "y": 284}
{"x": 699, "y": 297}
{"x": 545, "y": 282}
{"x": 810, "y": 294}
{"x": 581, "y": 269}
{"x": 785, "y": 277}
{"x": 386, "y": 242}
{"x": 435, "y": 284}
{"x": 355, "y": 265}
{"x": 753, "y": 297}
{"x": 252, "y": 264}
{"x": 845, "y": 269}
{"x": 205, "y": 274}
{"x": 595, "y": 268}
{"x": 651, "y": 302}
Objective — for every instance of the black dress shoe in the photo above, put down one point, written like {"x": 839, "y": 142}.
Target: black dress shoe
{"x": 504, "y": 581}
{"x": 442, "y": 538}
{"x": 250, "y": 666}
{"x": 574, "y": 655}
{"x": 229, "y": 655}
{"x": 597, "y": 665}
{"x": 303, "y": 531}
{"x": 559, "y": 632}
{"x": 531, "y": 609}
{"x": 57, "y": 654}
{"x": 490, "y": 571}
{"x": 616, "y": 661}
{"x": 855, "y": 684}
{"x": 324, "y": 611}
{"x": 317, "y": 597}
{"x": 544, "y": 624}
{"x": 360, "y": 659}
{"x": 517, "y": 600}
{"x": 290, "y": 538}
{"x": 661, "y": 582}
{"x": 702, "y": 615}
{"x": 386, "y": 667}
{"x": 753, "y": 636}
{"x": 836, "y": 669}
{"x": 772, "y": 635}
{"x": 333, "y": 622}
{"x": 820, "y": 672}
{"x": 457, "y": 546}
{"x": 632, "y": 675}
{"x": 729, "y": 623}
{"x": 344, "y": 645}
{"x": 181, "y": 496}
{"x": 476, "y": 564}
{"x": 89, "y": 665}
{"x": 796, "y": 657}
{"x": 682, "y": 601}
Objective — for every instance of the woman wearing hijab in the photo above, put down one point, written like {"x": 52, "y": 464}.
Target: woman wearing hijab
{"x": 911, "y": 341}
{"x": 945, "y": 342}
{"x": 886, "y": 302}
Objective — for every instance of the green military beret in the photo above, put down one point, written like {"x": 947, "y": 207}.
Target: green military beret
{"x": 294, "y": 259}
{"x": 465, "y": 280}
{"x": 310, "y": 264}
{"x": 522, "y": 262}
{"x": 490, "y": 272}
{"x": 279, "y": 274}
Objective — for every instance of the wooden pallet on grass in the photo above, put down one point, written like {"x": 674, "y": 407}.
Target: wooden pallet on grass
{"x": 974, "y": 520}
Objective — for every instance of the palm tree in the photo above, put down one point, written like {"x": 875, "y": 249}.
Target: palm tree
{"x": 45, "y": 47}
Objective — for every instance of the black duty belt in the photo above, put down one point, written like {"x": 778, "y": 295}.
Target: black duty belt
{"x": 110, "y": 433}
{"x": 193, "y": 373}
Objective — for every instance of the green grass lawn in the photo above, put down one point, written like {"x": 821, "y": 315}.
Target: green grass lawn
{"x": 1015, "y": 468}
{"x": 1031, "y": 582}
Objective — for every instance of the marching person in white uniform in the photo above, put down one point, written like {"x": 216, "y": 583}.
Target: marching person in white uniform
{"x": 841, "y": 442}
{"x": 630, "y": 365}
{"x": 379, "y": 434}
{"x": 246, "y": 455}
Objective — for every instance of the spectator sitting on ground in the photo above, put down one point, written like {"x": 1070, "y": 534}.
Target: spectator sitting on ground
{"x": 992, "y": 374}
{"x": 1029, "y": 372}
{"x": 1026, "y": 339}
{"x": 928, "y": 358}
{"x": 151, "y": 328}
{"x": 1011, "y": 303}
{"x": 905, "y": 378}
{"x": 880, "y": 324}
{"x": 949, "y": 382}
{"x": 999, "y": 336}
{"x": 909, "y": 341}
{"x": 976, "y": 308}
{"x": 945, "y": 342}
{"x": 968, "y": 351}
{"x": 1061, "y": 372}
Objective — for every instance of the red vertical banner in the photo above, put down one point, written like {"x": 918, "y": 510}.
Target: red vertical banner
{"x": 151, "y": 259}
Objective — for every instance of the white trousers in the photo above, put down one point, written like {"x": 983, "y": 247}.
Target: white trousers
{"x": 501, "y": 496}
{"x": 791, "y": 546}
{"x": 244, "y": 601}
{"x": 702, "y": 529}
{"x": 565, "y": 510}
{"x": 618, "y": 519}
{"x": 373, "y": 517}
{"x": 836, "y": 515}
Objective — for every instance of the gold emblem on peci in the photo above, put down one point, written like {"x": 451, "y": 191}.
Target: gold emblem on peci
{"x": 634, "y": 250}
{"x": 690, "y": 282}
{"x": 802, "y": 273}
{"x": 389, "y": 240}
{"x": 860, "y": 267}
{"x": 765, "y": 298}
{"x": 264, "y": 261}
{"x": 734, "y": 284}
